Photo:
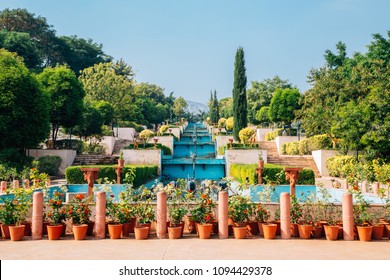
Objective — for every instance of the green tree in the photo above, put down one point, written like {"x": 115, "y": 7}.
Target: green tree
{"x": 90, "y": 123}
{"x": 66, "y": 95}
{"x": 23, "y": 45}
{"x": 260, "y": 95}
{"x": 226, "y": 107}
{"x": 216, "y": 107}
{"x": 106, "y": 111}
{"x": 102, "y": 83}
{"x": 262, "y": 115}
{"x": 82, "y": 53}
{"x": 24, "y": 108}
{"x": 20, "y": 20}
{"x": 179, "y": 106}
{"x": 283, "y": 105}
{"x": 239, "y": 94}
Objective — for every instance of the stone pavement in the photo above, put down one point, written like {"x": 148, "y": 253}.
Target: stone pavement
{"x": 192, "y": 248}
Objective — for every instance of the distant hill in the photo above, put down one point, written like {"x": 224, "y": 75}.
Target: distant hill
{"x": 195, "y": 107}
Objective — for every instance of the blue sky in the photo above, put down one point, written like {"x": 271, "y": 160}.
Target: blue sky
{"x": 188, "y": 46}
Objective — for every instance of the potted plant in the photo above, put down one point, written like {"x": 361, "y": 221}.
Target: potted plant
{"x": 261, "y": 160}
{"x": 7, "y": 216}
{"x": 18, "y": 208}
{"x": 116, "y": 218}
{"x": 239, "y": 209}
{"x": 295, "y": 215}
{"x": 262, "y": 216}
{"x": 128, "y": 210}
{"x": 121, "y": 160}
{"x": 305, "y": 226}
{"x": 203, "y": 215}
{"x": 331, "y": 215}
{"x": 145, "y": 216}
{"x": 56, "y": 215}
{"x": 176, "y": 213}
{"x": 80, "y": 212}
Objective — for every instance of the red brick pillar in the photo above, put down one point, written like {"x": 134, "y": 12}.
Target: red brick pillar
{"x": 223, "y": 216}
{"x": 3, "y": 186}
{"x": 348, "y": 217}
{"x": 285, "y": 223}
{"x": 37, "y": 216}
{"x": 161, "y": 215}
{"x": 100, "y": 220}
{"x": 15, "y": 183}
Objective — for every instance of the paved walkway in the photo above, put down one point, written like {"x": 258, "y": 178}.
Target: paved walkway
{"x": 192, "y": 248}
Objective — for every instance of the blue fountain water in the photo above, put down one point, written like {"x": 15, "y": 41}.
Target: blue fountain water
{"x": 194, "y": 156}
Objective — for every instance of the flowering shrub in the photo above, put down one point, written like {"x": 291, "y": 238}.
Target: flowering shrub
{"x": 229, "y": 124}
{"x": 240, "y": 208}
{"x": 203, "y": 211}
{"x": 245, "y": 134}
{"x": 261, "y": 214}
{"x": 79, "y": 210}
{"x": 57, "y": 213}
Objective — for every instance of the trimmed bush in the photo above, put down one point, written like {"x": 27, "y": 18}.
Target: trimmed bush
{"x": 150, "y": 146}
{"x": 247, "y": 172}
{"x": 306, "y": 146}
{"x": 49, "y": 164}
{"x": 340, "y": 166}
{"x": 242, "y": 146}
{"x": 143, "y": 173}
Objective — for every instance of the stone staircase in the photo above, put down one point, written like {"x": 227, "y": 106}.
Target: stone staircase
{"x": 284, "y": 160}
{"x": 95, "y": 160}
{"x": 119, "y": 145}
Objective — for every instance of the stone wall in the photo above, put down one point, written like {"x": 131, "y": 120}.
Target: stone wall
{"x": 126, "y": 133}
{"x": 320, "y": 157}
{"x": 243, "y": 157}
{"x": 108, "y": 142}
{"x": 143, "y": 157}
{"x": 67, "y": 156}
{"x": 164, "y": 140}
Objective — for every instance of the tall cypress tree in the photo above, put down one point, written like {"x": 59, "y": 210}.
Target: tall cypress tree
{"x": 239, "y": 94}
{"x": 216, "y": 107}
{"x": 211, "y": 108}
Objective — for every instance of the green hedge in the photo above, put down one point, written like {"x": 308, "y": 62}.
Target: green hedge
{"x": 143, "y": 173}
{"x": 242, "y": 171}
{"x": 269, "y": 136}
{"x": 340, "y": 166}
{"x": 306, "y": 146}
{"x": 242, "y": 146}
{"x": 150, "y": 146}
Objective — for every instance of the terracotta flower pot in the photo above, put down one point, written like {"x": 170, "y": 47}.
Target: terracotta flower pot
{"x": 44, "y": 228}
{"x": 16, "y": 232}
{"x": 294, "y": 230}
{"x": 318, "y": 231}
{"x": 91, "y": 226}
{"x": 54, "y": 232}
{"x": 80, "y": 231}
{"x": 239, "y": 232}
{"x": 305, "y": 231}
{"x": 174, "y": 232}
{"x": 387, "y": 226}
{"x": 331, "y": 232}
{"x": 377, "y": 231}
{"x": 253, "y": 228}
{"x": 205, "y": 230}
{"x": 126, "y": 229}
{"x": 148, "y": 225}
{"x": 27, "y": 229}
{"x": 260, "y": 225}
{"x": 115, "y": 231}
{"x": 191, "y": 228}
{"x": 364, "y": 233}
{"x": 5, "y": 231}
{"x": 141, "y": 232}
{"x": 269, "y": 231}
{"x": 121, "y": 162}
